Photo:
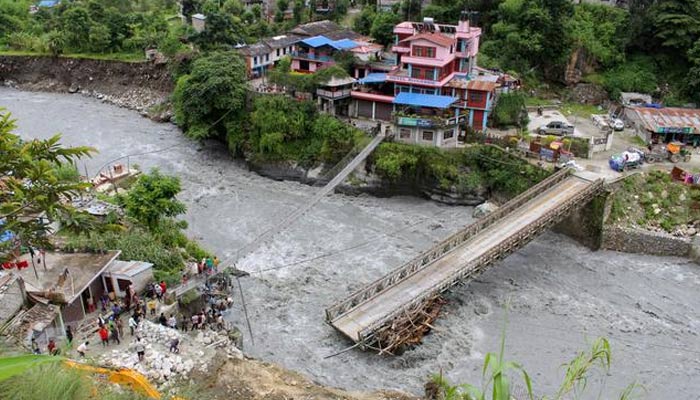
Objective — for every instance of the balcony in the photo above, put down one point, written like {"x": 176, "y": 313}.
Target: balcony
{"x": 400, "y": 49}
{"x": 401, "y": 76}
{"x": 427, "y": 121}
{"x": 312, "y": 57}
{"x": 333, "y": 95}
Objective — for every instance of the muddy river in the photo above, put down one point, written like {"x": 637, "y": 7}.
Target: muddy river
{"x": 561, "y": 295}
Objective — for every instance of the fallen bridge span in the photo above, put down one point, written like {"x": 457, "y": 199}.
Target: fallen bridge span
{"x": 391, "y": 309}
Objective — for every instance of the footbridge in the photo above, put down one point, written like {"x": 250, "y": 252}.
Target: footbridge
{"x": 390, "y": 310}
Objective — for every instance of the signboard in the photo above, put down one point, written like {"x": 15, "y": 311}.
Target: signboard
{"x": 406, "y": 121}
{"x": 407, "y": 79}
{"x": 674, "y": 129}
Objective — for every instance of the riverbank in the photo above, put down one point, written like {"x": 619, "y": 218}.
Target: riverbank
{"x": 138, "y": 86}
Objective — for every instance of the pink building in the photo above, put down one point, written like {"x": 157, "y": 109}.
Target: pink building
{"x": 430, "y": 95}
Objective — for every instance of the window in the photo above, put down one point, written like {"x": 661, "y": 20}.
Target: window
{"x": 278, "y": 52}
{"x": 423, "y": 73}
{"x": 423, "y": 51}
{"x": 404, "y": 133}
{"x": 255, "y": 60}
{"x": 476, "y": 97}
{"x": 428, "y": 136}
{"x": 416, "y": 73}
{"x": 448, "y": 134}
{"x": 267, "y": 57}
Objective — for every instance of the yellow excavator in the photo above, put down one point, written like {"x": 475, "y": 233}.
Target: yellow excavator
{"x": 11, "y": 366}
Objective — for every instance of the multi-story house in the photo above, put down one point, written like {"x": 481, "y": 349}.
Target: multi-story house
{"x": 431, "y": 95}
{"x": 315, "y": 53}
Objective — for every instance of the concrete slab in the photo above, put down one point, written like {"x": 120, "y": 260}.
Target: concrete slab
{"x": 51, "y": 276}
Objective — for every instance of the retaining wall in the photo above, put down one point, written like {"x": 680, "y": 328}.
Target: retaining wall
{"x": 631, "y": 240}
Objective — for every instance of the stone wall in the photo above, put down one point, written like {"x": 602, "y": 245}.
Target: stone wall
{"x": 633, "y": 240}
{"x": 585, "y": 224}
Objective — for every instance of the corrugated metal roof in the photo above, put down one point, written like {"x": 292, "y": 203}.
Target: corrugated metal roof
{"x": 281, "y": 41}
{"x": 482, "y": 86}
{"x": 657, "y": 119}
{"x": 373, "y": 78}
{"x": 317, "y": 41}
{"x": 128, "y": 268}
{"x": 424, "y": 100}
{"x": 316, "y": 28}
{"x": 344, "y": 44}
{"x": 436, "y": 38}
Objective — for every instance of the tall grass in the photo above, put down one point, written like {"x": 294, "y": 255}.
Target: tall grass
{"x": 57, "y": 382}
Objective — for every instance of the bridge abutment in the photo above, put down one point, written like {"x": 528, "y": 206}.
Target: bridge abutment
{"x": 585, "y": 224}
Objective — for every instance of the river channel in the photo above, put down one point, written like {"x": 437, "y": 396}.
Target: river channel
{"x": 560, "y": 295}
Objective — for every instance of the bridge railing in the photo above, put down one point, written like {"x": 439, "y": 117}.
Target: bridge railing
{"x": 512, "y": 243}
{"x": 445, "y": 246}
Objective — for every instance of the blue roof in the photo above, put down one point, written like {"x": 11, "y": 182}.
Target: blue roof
{"x": 318, "y": 41}
{"x": 48, "y": 3}
{"x": 424, "y": 100}
{"x": 344, "y": 44}
{"x": 373, "y": 78}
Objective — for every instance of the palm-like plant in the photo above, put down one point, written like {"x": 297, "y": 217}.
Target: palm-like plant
{"x": 496, "y": 372}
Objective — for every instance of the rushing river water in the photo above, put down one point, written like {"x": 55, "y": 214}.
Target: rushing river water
{"x": 560, "y": 295}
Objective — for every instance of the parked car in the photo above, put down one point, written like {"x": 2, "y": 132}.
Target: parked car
{"x": 617, "y": 124}
{"x": 557, "y": 128}
{"x": 632, "y": 158}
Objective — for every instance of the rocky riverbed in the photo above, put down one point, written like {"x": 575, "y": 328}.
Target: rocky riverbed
{"x": 560, "y": 294}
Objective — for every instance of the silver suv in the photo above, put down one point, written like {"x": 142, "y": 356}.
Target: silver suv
{"x": 557, "y": 128}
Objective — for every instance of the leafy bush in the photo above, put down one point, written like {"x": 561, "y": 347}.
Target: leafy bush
{"x": 285, "y": 129}
{"x": 510, "y": 111}
{"x": 635, "y": 75}
{"x": 473, "y": 169}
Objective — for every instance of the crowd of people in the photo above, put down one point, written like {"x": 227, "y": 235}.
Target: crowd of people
{"x": 111, "y": 329}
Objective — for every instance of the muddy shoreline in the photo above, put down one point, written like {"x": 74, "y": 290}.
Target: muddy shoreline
{"x": 140, "y": 86}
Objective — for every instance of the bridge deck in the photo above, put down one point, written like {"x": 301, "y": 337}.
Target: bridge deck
{"x": 365, "y": 314}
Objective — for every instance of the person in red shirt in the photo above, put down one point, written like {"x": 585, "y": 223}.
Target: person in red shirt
{"x": 162, "y": 287}
{"x": 52, "y": 347}
{"x": 104, "y": 335}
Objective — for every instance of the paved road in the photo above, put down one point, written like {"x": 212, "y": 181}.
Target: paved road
{"x": 374, "y": 309}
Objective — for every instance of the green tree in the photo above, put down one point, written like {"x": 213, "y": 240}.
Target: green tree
{"x": 531, "y": 34}
{"x": 601, "y": 31}
{"x": 55, "y": 42}
{"x": 100, "y": 38}
{"x": 76, "y": 24}
{"x": 410, "y": 9}
{"x": 510, "y": 111}
{"x": 152, "y": 198}
{"x": 32, "y": 191}
{"x": 382, "y": 29}
{"x": 363, "y": 21}
{"x": 211, "y": 99}
{"x": 677, "y": 23}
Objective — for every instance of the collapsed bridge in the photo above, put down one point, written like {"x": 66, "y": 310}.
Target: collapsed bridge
{"x": 393, "y": 308}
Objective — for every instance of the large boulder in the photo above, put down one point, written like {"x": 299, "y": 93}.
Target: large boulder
{"x": 484, "y": 209}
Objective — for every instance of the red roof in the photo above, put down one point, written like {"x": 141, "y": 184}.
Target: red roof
{"x": 656, "y": 119}
{"x": 436, "y": 38}
{"x": 482, "y": 86}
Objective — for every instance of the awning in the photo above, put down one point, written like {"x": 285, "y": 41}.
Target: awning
{"x": 373, "y": 78}
{"x": 424, "y": 100}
